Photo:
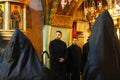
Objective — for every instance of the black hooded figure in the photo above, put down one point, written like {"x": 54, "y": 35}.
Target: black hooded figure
{"x": 20, "y": 62}
{"x": 103, "y": 61}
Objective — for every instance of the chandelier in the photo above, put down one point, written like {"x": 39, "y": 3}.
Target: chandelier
{"x": 92, "y": 10}
{"x": 64, "y": 3}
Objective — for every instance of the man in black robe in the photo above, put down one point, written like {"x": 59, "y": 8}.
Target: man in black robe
{"x": 20, "y": 62}
{"x": 103, "y": 61}
{"x": 74, "y": 60}
{"x": 58, "y": 55}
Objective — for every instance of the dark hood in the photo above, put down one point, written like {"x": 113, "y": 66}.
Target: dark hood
{"x": 20, "y": 62}
{"x": 104, "y": 54}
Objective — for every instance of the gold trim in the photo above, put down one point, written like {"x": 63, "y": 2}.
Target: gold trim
{"x": 62, "y": 21}
{"x": 7, "y": 34}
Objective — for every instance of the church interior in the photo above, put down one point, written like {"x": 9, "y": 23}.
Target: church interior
{"x": 40, "y": 19}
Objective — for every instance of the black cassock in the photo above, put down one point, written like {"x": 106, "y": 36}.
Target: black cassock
{"x": 103, "y": 61}
{"x": 58, "y": 49}
{"x": 74, "y": 62}
{"x": 20, "y": 62}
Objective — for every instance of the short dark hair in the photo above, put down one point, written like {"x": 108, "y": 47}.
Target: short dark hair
{"x": 75, "y": 38}
{"x": 59, "y": 31}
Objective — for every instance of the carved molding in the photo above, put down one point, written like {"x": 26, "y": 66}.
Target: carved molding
{"x": 7, "y": 34}
{"x": 62, "y": 21}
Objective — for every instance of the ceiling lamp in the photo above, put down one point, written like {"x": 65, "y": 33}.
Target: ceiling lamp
{"x": 64, "y": 3}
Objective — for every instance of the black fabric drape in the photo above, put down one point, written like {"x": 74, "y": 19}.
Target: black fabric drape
{"x": 103, "y": 61}
{"x": 20, "y": 62}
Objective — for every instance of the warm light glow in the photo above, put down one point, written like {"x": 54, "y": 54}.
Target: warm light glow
{"x": 85, "y": 7}
{"x": 118, "y": 33}
{"x": 111, "y": 11}
{"x": 69, "y": 2}
{"x": 25, "y": 1}
{"x": 100, "y": 4}
{"x": 63, "y": 3}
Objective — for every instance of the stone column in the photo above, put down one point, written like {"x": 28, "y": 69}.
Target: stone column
{"x": 24, "y": 18}
{"x": 7, "y": 16}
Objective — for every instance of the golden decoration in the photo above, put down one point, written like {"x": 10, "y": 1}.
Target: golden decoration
{"x": 62, "y": 21}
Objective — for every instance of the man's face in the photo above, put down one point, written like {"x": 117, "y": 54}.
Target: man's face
{"x": 75, "y": 41}
{"x": 58, "y": 35}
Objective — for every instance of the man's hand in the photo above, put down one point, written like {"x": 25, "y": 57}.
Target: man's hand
{"x": 61, "y": 60}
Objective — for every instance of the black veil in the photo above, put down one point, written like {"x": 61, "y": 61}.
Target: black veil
{"x": 104, "y": 55}
{"x": 20, "y": 62}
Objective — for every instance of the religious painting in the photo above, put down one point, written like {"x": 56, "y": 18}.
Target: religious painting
{"x": 16, "y": 20}
{"x": 1, "y": 15}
